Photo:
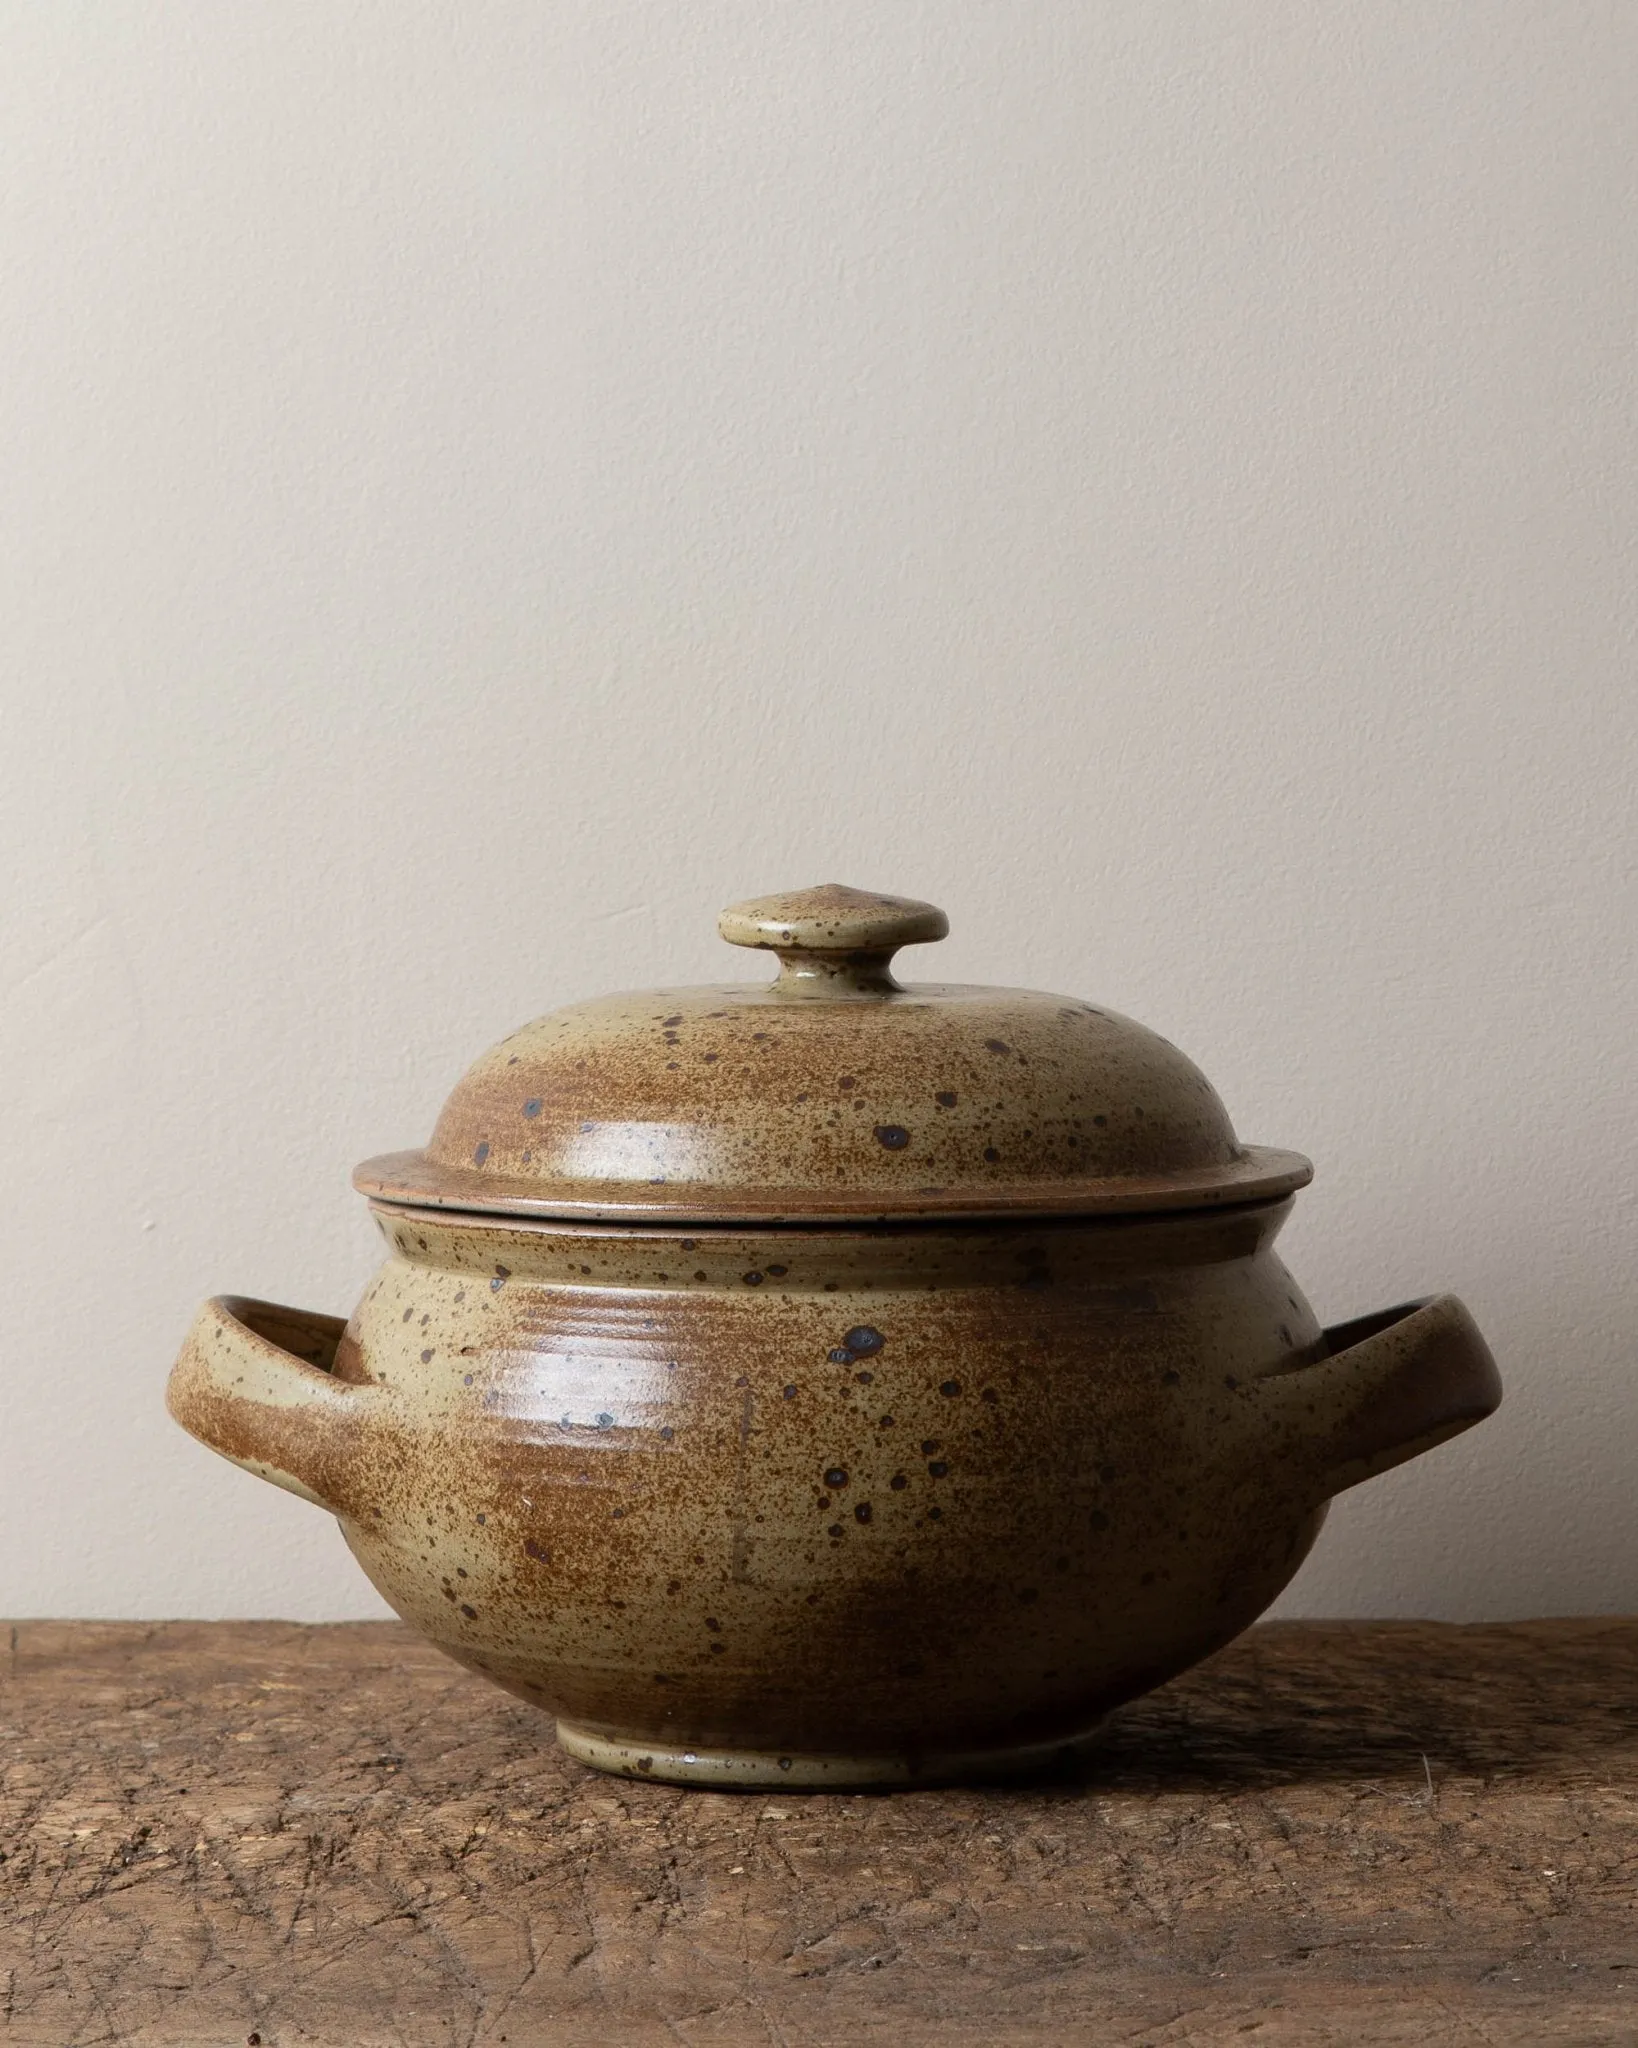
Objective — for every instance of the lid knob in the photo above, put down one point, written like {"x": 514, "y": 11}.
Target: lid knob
{"x": 832, "y": 941}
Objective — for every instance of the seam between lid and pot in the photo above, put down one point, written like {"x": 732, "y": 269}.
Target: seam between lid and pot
{"x": 408, "y": 1180}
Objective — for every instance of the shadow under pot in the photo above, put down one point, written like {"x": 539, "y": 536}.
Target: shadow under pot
{"x": 828, "y": 1382}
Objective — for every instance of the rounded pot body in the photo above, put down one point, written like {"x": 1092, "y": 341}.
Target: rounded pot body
{"x": 843, "y": 1504}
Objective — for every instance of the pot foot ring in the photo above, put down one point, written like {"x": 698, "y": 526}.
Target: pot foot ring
{"x": 815, "y": 1771}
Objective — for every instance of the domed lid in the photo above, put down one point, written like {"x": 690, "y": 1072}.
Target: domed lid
{"x": 831, "y": 1093}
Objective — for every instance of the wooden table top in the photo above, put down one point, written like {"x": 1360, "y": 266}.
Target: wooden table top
{"x": 242, "y": 1833}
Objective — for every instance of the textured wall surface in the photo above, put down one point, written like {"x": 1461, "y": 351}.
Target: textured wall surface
{"x": 485, "y": 484}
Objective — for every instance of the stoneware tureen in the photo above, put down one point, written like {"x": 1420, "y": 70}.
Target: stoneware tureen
{"x": 826, "y": 1381}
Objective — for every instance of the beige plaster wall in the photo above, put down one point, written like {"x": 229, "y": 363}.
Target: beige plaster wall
{"x": 483, "y": 484}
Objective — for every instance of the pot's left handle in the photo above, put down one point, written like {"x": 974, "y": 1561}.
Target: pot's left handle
{"x": 254, "y": 1381}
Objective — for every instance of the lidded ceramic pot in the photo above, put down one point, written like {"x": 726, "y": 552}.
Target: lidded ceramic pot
{"x": 829, "y": 1381}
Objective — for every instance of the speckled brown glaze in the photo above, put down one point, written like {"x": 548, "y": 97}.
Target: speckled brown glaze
{"x": 758, "y": 1503}
{"x": 832, "y": 1092}
{"x": 864, "y": 1502}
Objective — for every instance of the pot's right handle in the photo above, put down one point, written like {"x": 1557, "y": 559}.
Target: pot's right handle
{"x": 1396, "y": 1384}
{"x": 254, "y": 1382}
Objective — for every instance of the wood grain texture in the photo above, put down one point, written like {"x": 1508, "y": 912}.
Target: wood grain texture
{"x": 1395, "y": 1833}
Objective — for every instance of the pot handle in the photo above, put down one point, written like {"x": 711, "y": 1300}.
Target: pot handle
{"x": 254, "y": 1381}
{"x": 1395, "y": 1384}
